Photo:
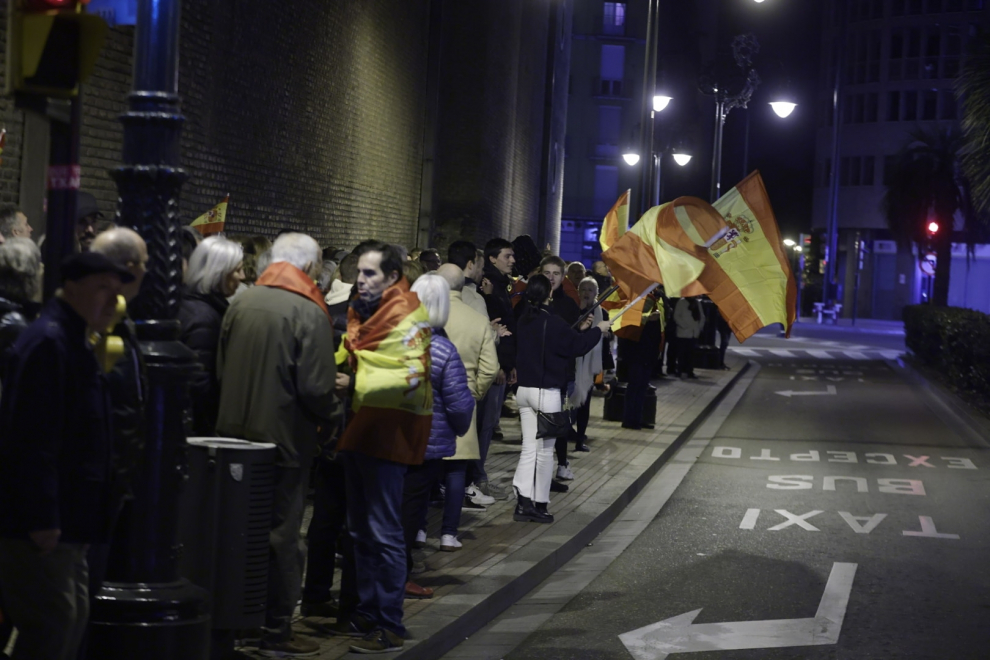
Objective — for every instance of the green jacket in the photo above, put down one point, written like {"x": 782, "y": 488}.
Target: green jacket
{"x": 276, "y": 368}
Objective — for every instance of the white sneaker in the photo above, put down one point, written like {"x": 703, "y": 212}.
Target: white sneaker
{"x": 476, "y": 496}
{"x": 449, "y": 543}
{"x": 420, "y": 539}
{"x": 564, "y": 472}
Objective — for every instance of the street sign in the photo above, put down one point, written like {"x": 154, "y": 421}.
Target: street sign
{"x": 680, "y": 634}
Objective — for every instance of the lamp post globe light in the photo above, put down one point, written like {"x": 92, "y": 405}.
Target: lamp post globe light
{"x": 660, "y": 102}
{"x": 630, "y": 158}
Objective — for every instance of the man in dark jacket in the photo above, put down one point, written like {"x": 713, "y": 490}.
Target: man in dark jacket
{"x": 55, "y": 454}
{"x": 499, "y": 261}
{"x": 277, "y": 374}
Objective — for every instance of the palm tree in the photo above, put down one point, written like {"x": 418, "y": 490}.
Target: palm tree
{"x": 973, "y": 88}
{"x": 928, "y": 186}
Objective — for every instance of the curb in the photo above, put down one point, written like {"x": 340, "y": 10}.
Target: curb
{"x": 473, "y": 620}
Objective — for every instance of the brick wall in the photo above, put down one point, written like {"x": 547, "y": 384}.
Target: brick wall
{"x": 311, "y": 114}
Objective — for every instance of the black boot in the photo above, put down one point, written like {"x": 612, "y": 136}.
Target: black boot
{"x": 525, "y": 511}
{"x": 545, "y": 516}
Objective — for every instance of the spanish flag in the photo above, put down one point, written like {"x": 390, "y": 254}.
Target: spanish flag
{"x": 747, "y": 273}
{"x": 212, "y": 221}
{"x": 616, "y": 222}
{"x": 644, "y": 256}
{"x": 393, "y": 399}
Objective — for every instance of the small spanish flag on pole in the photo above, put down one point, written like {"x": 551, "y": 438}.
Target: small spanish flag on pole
{"x": 212, "y": 221}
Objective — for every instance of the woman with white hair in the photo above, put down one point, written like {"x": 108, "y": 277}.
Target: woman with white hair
{"x": 20, "y": 290}
{"x": 453, "y": 407}
{"x": 216, "y": 269}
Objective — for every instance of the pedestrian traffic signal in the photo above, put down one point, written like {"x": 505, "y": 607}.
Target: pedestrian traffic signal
{"x": 52, "y": 46}
{"x": 932, "y": 228}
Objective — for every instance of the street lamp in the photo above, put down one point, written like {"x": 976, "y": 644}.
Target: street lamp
{"x": 630, "y": 158}
{"x": 789, "y": 242}
{"x": 732, "y": 85}
{"x": 660, "y": 102}
{"x": 783, "y": 108}
{"x": 682, "y": 159}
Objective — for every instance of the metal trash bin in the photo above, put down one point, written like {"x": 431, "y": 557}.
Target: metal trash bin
{"x": 224, "y": 525}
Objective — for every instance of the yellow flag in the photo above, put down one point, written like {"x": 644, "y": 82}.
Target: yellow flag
{"x": 213, "y": 220}
{"x": 616, "y": 222}
{"x": 642, "y": 256}
{"x": 751, "y": 279}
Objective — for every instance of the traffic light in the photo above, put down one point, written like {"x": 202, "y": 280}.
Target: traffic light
{"x": 52, "y": 46}
{"x": 932, "y": 229}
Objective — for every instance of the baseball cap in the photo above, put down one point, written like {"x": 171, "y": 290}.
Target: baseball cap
{"x": 78, "y": 266}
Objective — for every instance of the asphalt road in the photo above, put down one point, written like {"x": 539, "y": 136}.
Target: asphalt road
{"x": 846, "y": 512}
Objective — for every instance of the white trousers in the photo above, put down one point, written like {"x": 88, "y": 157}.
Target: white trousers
{"x": 535, "y": 469}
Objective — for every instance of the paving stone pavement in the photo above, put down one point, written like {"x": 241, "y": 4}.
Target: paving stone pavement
{"x": 501, "y": 559}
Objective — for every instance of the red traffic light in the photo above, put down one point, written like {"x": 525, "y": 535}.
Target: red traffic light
{"x": 932, "y": 227}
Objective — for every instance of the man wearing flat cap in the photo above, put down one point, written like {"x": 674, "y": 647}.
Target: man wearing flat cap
{"x": 55, "y": 450}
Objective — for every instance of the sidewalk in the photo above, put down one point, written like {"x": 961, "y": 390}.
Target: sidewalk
{"x": 502, "y": 560}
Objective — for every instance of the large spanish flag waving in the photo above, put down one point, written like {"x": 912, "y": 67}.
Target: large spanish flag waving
{"x": 748, "y": 274}
{"x": 393, "y": 400}
{"x": 730, "y": 251}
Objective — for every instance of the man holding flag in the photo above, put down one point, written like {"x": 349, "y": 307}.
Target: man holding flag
{"x": 388, "y": 341}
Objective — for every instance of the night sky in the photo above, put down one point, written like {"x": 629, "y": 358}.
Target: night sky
{"x": 789, "y": 33}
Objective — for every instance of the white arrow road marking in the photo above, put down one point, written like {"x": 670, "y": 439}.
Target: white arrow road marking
{"x": 679, "y": 634}
{"x": 790, "y": 393}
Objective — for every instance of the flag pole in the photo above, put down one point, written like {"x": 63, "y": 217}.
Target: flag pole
{"x": 601, "y": 299}
{"x": 630, "y": 305}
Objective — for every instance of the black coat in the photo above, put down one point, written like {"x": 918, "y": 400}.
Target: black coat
{"x": 499, "y": 305}
{"x": 201, "y": 316}
{"x": 15, "y": 316}
{"x": 55, "y": 433}
{"x": 128, "y": 382}
{"x": 547, "y": 367}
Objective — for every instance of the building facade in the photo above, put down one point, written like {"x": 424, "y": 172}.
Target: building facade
{"x": 604, "y": 114}
{"x": 899, "y": 66}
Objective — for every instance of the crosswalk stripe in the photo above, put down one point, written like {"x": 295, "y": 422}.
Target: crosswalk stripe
{"x": 821, "y": 355}
{"x": 748, "y": 352}
{"x": 782, "y": 352}
{"x": 891, "y": 355}
{"x": 856, "y": 355}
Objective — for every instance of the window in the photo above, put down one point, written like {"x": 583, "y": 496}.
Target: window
{"x": 933, "y": 6}
{"x": 844, "y": 165}
{"x": 914, "y": 7}
{"x": 609, "y": 127}
{"x": 869, "y": 164}
{"x": 889, "y": 166}
{"x": 947, "y": 107}
{"x": 893, "y": 106}
{"x": 855, "y": 170}
{"x": 929, "y": 104}
{"x": 897, "y": 7}
{"x": 870, "y": 111}
{"x": 614, "y": 20}
{"x": 953, "y": 5}
{"x": 909, "y": 111}
{"x": 613, "y": 63}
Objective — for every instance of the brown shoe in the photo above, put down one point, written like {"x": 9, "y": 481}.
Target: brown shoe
{"x": 416, "y": 592}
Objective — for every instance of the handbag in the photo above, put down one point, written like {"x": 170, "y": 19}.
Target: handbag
{"x": 550, "y": 424}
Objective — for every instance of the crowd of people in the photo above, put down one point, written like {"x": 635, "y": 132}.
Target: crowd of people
{"x": 379, "y": 374}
